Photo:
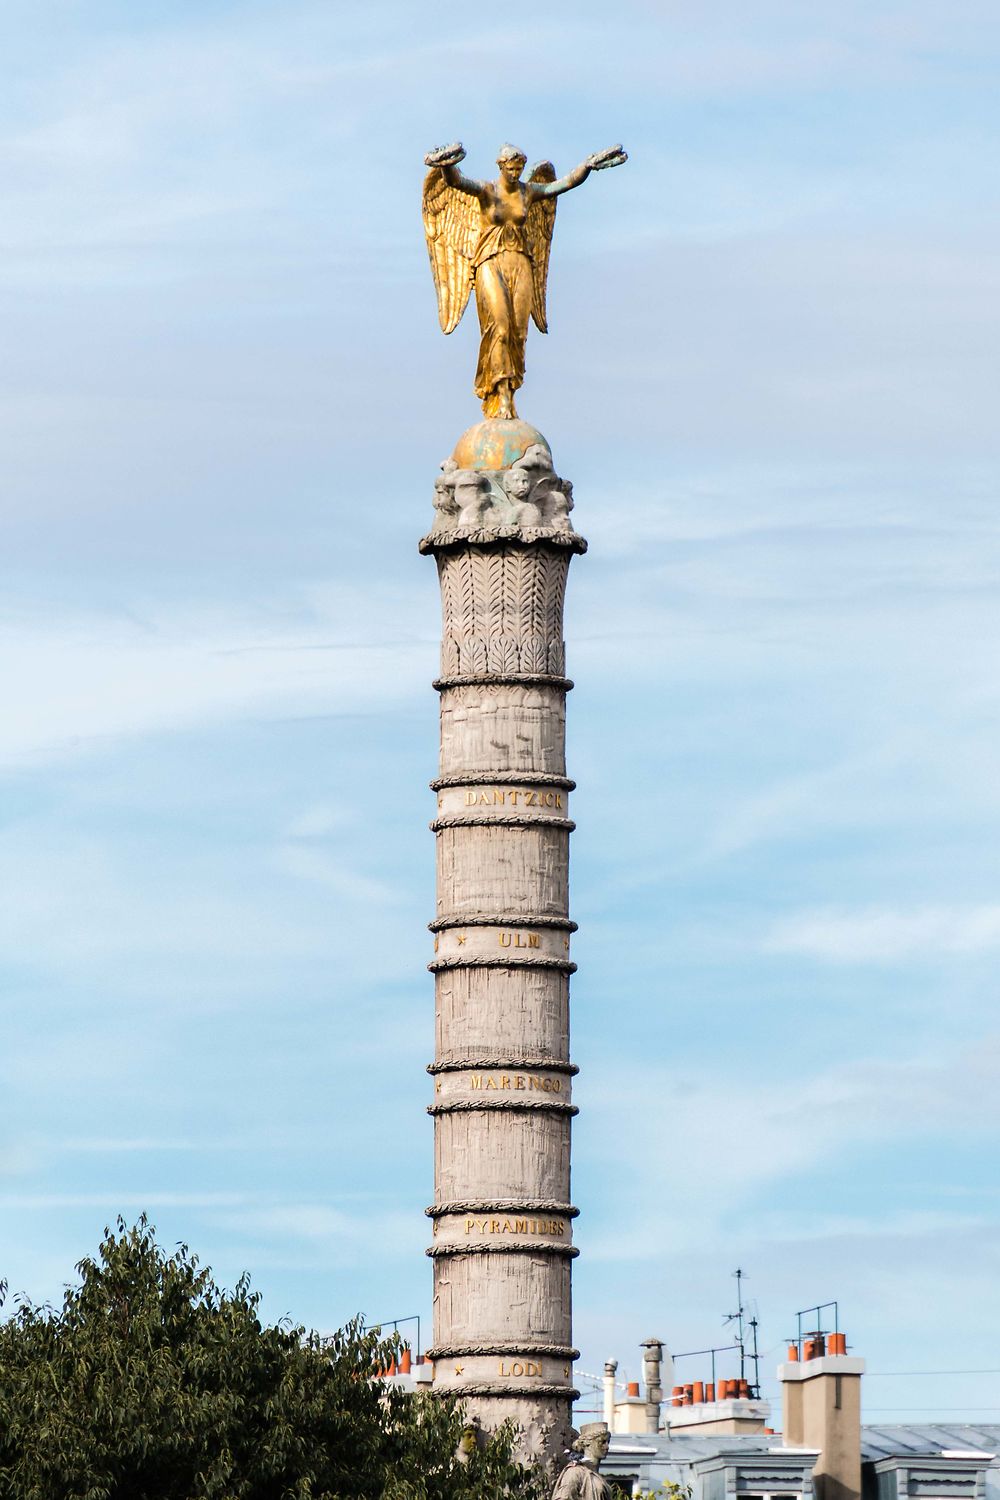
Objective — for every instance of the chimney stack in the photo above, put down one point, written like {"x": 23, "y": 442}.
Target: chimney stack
{"x": 652, "y": 1355}
{"x": 822, "y": 1409}
{"x": 610, "y": 1370}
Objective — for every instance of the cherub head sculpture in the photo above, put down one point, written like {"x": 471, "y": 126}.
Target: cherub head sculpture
{"x": 472, "y": 495}
{"x": 517, "y": 484}
{"x": 444, "y": 496}
{"x": 558, "y": 504}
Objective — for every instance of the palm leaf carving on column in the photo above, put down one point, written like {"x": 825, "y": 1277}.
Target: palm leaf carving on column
{"x": 513, "y": 574}
{"x": 467, "y": 588}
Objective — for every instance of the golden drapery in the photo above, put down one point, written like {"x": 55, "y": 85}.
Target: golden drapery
{"x": 504, "y": 286}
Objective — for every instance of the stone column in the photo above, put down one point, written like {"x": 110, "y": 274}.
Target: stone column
{"x": 502, "y": 1218}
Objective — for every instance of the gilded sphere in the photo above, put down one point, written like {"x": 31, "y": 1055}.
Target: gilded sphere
{"x": 497, "y": 443}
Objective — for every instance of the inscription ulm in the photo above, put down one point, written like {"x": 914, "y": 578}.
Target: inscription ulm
{"x": 519, "y": 939}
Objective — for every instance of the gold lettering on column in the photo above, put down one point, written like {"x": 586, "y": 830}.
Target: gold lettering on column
{"x": 506, "y": 1082}
{"x": 554, "y": 1227}
{"x": 499, "y": 796}
{"x": 519, "y": 1368}
{"x": 519, "y": 940}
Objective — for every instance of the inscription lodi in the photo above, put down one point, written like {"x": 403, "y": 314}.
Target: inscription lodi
{"x": 520, "y": 1367}
{"x": 529, "y": 1081}
{"x": 514, "y": 796}
{"x": 516, "y": 1226}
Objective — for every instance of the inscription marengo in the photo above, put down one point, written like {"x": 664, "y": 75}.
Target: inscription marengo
{"x": 527, "y": 1081}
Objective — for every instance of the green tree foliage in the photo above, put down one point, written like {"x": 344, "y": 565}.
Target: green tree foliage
{"x": 152, "y": 1383}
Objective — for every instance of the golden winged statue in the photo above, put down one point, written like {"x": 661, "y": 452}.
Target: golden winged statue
{"x": 496, "y": 237}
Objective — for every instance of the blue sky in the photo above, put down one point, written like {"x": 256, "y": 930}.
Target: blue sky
{"x": 772, "y": 377}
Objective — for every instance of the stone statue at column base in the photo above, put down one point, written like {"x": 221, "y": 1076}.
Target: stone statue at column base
{"x": 469, "y": 1441}
{"x": 580, "y": 1479}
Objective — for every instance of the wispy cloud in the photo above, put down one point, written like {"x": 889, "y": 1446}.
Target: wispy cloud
{"x": 77, "y": 683}
{"x": 887, "y": 935}
{"x": 704, "y": 1177}
{"x": 330, "y": 1236}
{"x": 112, "y": 1200}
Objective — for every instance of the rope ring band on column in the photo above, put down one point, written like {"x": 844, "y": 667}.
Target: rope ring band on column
{"x": 504, "y": 679}
{"x": 462, "y": 1064}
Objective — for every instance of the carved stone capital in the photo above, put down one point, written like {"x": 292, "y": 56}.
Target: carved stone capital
{"x": 522, "y": 504}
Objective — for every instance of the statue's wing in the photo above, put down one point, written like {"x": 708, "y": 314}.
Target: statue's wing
{"x": 451, "y": 224}
{"x": 539, "y": 227}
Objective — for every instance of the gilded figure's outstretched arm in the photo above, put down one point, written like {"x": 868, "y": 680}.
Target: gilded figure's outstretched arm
{"x": 614, "y": 156}
{"x": 447, "y": 159}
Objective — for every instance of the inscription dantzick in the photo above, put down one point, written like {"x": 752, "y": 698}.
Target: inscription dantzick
{"x": 513, "y": 796}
